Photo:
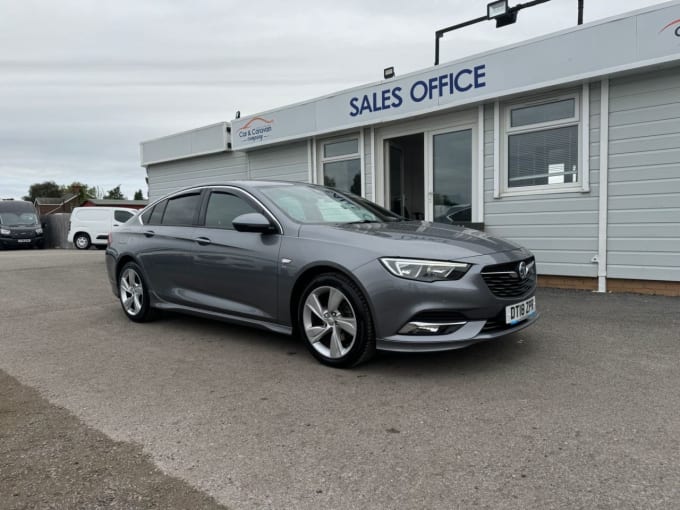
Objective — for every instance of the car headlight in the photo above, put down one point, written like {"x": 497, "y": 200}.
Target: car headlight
{"x": 38, "y": 231}
{"x": 425, "y": 270}
{"x": 5, "y": 231}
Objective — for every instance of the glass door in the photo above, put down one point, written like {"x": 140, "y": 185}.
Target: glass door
{"x": 451, "y": 163}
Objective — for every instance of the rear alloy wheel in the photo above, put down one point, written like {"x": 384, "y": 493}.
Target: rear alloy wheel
{"x": 335, "y": 321}
{"x": 81, "y": 241}
{"x": 134, "y": 295}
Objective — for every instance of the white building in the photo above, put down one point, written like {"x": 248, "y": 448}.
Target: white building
{"x": 521, "y": 139}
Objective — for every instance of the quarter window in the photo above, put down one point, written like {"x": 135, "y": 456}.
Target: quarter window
{"x": 181, "y": 211}
{"x": 542, "y": 145}
{"x": 157, "y": 214}
{"x": 341, "y": 165}
{"x": 223, "y": 208}
{"x": 122, "y": 216}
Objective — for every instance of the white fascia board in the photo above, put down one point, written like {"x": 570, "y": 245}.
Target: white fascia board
{"x": 635, "y": 42}
{"x": 186, "y": 144}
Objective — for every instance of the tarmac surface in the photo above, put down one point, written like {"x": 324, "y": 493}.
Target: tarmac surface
{"x": 578, "y": 411}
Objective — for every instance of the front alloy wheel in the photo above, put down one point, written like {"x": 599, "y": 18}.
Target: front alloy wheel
{"x": 336, "y": 322}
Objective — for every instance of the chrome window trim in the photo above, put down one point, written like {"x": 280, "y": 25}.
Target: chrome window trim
{"x": 211, "y": 187}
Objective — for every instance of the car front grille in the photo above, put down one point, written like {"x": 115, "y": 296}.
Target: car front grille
{"x": 505, "y": 281}
{"x": 22, "y": 234}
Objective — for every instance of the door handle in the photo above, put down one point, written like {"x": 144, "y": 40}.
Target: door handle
{"x": 149, "y": 233}
{"x": 203, "y": 241}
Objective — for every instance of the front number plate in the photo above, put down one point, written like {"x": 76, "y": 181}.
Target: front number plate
{"x": 24, "y": 240}
{"x": 520, "y": 311}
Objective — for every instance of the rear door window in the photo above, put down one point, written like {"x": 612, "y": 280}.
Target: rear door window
{"x": 182, "y": 210}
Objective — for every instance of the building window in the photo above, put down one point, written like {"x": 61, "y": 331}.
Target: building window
{"x": 341, "y": 164}
{"x": 542, "y": 146}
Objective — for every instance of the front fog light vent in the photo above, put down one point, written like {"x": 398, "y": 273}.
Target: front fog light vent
{"x": 430, "y": 328}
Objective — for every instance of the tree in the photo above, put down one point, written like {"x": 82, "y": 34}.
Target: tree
{"x": 43, "y": 189}
{"x": 115, "y": 194}
{"x": 82, "y": 190}
{"x": 139, "y": 195}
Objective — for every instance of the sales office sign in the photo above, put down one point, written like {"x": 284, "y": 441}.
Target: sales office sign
{"x": 438, "y": 86}
{"x": 361, "y": 106}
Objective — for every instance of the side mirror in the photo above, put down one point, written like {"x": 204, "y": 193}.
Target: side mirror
{"x": 253, "y": 222}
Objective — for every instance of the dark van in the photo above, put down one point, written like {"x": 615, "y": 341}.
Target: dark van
{"x": 19, "y": 225}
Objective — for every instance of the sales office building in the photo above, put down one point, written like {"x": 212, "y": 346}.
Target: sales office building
{"x": 568, "y": 144}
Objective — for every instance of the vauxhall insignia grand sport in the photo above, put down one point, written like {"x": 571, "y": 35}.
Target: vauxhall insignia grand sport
{"x": 344, "y": 274}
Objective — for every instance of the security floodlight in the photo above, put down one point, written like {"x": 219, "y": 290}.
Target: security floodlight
{"x": 388, "y": 72}
{"x": 496, "y": 9}
{"x": 503, "y": 14}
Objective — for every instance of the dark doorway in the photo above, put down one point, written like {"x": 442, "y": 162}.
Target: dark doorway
{"x": 405, "y": 158}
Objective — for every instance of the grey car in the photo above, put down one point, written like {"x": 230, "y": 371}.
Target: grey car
{"x": 344, "y": 274}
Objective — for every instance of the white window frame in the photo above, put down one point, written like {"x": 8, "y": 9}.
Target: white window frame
{"x": 577, "y": 120}
{"x": 322, "y": 159}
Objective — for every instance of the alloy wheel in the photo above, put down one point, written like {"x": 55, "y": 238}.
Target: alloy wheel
{"x": 329, "y": 322}
{"x": 131, "y": 291}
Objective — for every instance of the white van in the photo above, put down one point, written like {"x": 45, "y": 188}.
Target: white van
{"x": 91, "y": 225}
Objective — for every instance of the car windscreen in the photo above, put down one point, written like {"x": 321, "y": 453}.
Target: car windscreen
{"x": 312, "y": 204}
{"x": 11, "y": 219}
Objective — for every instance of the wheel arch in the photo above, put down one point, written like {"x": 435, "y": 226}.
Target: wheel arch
{"x": 311, "y": 272}
{"x": 120, "y": 264}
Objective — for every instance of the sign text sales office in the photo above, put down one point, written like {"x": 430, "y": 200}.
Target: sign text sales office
{"x": 438, "y": 86}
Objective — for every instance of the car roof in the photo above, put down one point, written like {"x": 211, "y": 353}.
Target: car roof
{"x": 16, "y": 206}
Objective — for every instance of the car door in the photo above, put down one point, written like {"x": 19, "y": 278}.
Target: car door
{"x": 235, "y": 272}
{"x": 167, "y": 244}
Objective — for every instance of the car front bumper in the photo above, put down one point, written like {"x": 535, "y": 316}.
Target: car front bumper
{"x": 469, "y": 303}
{"x": 471, "y": 333}
{"x": 21, "y": 242}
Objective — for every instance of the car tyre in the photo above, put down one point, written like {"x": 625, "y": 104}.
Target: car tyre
{"x": 335, "y": 321}
{"x": 81, "y": 241}
{"x": 133, "y": 294}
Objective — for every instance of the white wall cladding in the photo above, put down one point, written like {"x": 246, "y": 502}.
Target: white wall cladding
{"x": 172, "y": 176}
{"x": 200, "y": 141}
{"x": 287, "y": 162}
{"x": 561, "y": 229}
{"x": 644, "y": 176}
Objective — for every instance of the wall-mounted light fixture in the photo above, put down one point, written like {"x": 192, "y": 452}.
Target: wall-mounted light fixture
{"x": 501, "y": 12}
{"x": 498, "y": 10}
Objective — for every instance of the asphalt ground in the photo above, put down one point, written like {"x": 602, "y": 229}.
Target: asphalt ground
{"x": 578, "y": 411}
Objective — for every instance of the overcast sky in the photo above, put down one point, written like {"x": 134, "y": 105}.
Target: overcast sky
{"x": 82, "y": 82}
